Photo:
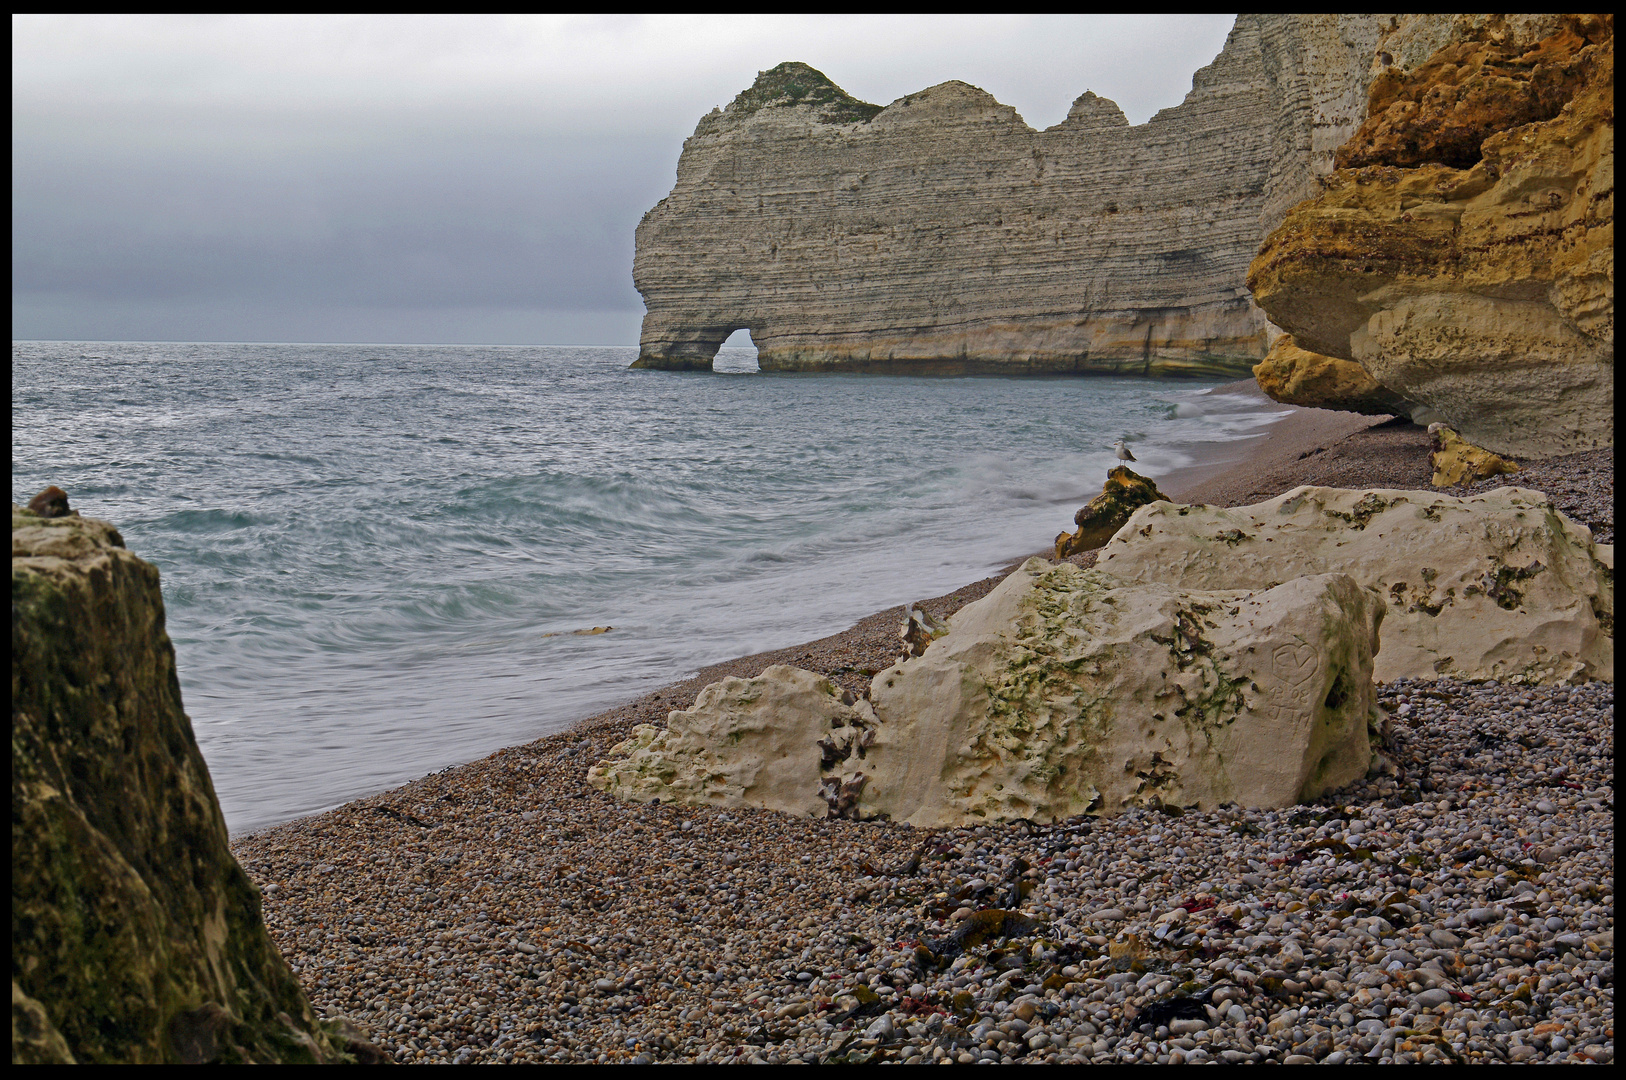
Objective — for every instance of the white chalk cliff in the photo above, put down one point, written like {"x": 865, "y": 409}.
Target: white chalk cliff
{"x": 941, "y": 234}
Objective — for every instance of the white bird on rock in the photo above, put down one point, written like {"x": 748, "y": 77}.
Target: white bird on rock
{"x": 1123, "y": 451}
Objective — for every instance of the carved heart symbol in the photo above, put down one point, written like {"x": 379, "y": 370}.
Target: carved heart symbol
{"x": 1294, "y": 664}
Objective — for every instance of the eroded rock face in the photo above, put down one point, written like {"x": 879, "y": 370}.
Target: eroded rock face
{"x": 1458, "y": 462}
{"x": 1499, "y": 73}
{"x": 1061, "y": 692}
{"x": 1123, "y": 493}
{"x": 1469, "y": 267}
{"x": 942, "y": 235}
{"x": 1296, "y": 376}
{"x": 745, "y": 742}
{"x": 1499, "y": 585}
{"x": 136, "y": 937}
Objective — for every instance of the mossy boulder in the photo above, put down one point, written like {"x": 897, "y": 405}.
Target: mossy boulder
{"x": 1124, "y": 493}
{"x": 135, "y": 935}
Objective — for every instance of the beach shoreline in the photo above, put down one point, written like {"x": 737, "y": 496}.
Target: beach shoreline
{"x": 844, "y": 656}
{"x": 505, "y": 911}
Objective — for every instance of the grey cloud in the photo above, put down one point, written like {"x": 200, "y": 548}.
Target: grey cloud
{"x": 442, "y": 221}
{"x": 461, "y": 179}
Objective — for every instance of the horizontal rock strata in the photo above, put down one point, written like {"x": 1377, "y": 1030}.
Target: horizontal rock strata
{"x": 135, "y": 935}
{"x": 942, "y": 235}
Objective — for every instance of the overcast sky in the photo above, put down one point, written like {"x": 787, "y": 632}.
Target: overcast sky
{"x": 442, "y": 179}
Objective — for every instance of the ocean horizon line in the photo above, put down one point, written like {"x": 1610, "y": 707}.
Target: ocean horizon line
{"x": 367, "y": 344}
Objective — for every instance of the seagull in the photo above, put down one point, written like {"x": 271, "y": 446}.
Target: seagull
{"x": 1123, "y": 451}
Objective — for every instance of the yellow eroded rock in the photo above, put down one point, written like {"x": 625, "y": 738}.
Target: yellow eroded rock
{"x": 1456, "y": 461}
{"x": 1485, "y": 290}
{"x": 1296, "y": 376}
{"x": 1124, "y": 492}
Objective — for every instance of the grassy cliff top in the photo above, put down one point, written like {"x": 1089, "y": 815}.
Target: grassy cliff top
{"x": 794, "y": 83}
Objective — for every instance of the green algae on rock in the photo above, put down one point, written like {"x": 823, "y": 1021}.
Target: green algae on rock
{"x": 1061, "y": 692}
{"x": 135, "y": 935}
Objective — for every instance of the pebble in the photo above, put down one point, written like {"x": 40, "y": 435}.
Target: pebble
{"x": 1580, "y": 485}
{"x": 613, "y": 934}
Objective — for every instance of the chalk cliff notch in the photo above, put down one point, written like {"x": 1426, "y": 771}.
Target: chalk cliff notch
{"x": 942, "y": 235}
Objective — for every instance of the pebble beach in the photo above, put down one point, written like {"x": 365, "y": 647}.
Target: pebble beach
{"x": 1455, "y": 905}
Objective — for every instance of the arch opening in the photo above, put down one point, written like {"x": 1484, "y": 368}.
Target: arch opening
{"x": 737, "y": 355}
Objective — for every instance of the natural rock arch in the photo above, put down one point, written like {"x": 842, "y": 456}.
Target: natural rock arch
{"x": 694, "y": 349}
{"x": 941, "y": 234}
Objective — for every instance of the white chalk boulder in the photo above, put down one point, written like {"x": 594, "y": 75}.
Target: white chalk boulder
{"x": 1499, "y": 585}
{"x": 1064, "y": 691}
{"x": 745, "y": 742}
{"x": 1061, "y": 692}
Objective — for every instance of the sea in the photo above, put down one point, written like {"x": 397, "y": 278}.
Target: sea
{"x": 375, "y": 558}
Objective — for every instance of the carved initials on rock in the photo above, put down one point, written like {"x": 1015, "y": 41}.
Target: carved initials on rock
{"x": 1292, "y": 714}
{"x": 1295, "y": 664}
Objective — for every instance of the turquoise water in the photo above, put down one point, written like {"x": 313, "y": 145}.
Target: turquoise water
{"x": 364, "y": 549}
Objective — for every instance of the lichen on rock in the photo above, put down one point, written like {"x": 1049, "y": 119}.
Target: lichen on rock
{"x": 136, "y": 936}
{"x": 1492, "y": 586}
